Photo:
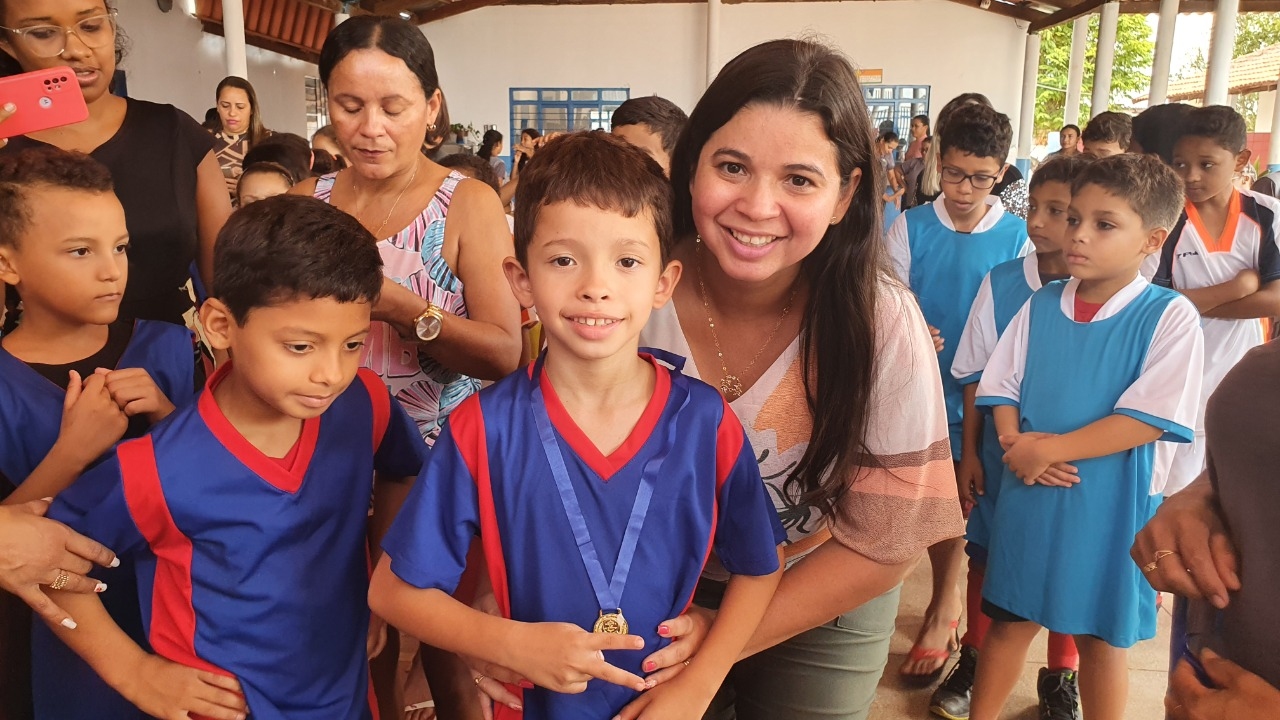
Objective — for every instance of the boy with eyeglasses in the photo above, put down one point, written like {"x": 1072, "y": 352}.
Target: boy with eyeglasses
{"x": 942, "y": 251}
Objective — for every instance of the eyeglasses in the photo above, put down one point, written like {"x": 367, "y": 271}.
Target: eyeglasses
{"x": 46, "y": 41}
{"x": 955, "y": 176}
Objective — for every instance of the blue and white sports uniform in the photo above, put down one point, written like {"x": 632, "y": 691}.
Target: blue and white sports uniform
{"x": 1060, "y": 556}
{"x": 30, "y": 419}
{"x": 254, "y": 566}
{"x": 489, "y": 477}
{"x": 944, "y": 268}
{"x": 1002, "y": 294}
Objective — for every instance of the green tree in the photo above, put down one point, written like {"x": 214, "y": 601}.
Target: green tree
{"x": 1130, "y": 73}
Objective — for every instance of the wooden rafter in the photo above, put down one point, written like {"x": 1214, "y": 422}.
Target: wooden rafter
{"x": 1018, "y": 12}
{"x": 1066, "y": 14}
{"x": 454, "y": 8}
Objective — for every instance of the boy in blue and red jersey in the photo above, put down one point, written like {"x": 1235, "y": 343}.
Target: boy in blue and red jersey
{"x": 75, "y": 377}
{"x": 247, "y": 511}
{"x": 599, "y": 481}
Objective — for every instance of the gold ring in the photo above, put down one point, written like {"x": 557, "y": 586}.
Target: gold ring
{"x": 686, "y": 663}
{"x": 478, "y": 679}
{"x": 1160, "y": 555}
{"x": 61, "y": 581}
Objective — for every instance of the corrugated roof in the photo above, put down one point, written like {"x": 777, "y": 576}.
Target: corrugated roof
{"x": 1256, "y": 72}
{"x": 290, "y": 27}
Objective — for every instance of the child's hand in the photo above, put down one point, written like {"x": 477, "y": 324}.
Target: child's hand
{"x": 970, "y": 479}
{"x": 1058, "y": 474}
{"x": 677, "y": 699}
{"x": 938, "y": 342}
{"x": 1026, "y": 458}
{"x": 169, "y": 691}
{"x": 563, "y": 657}
{"x": 136, "y": 393}
{"x": 92, "y": 422}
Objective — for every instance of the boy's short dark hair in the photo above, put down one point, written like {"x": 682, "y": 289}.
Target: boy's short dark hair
{"x": 1109, "y": 126}
{"x": 23, "y": 171}
{"x": 1069, "y": 126}
{"x": 593, "y": 169}
{"x": 1059, "y": 168}
{"x": 1150, "y": 187}
{"x": 660, "y": 114}
{"x": 480, "y": 168}
{"x": 888, "y": 136}
{"x": 1220, "y": 124}
{"x": 979, "y": 131}
{"x": 289, "y": 247}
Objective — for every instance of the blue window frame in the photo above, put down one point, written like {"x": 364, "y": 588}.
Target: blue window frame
{"x": 896, "y": 104}
{"x": 562, "y": 109}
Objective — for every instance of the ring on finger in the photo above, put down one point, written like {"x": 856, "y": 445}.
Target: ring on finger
{"x": 479, "y": 679}
{"x": 1155, "y": 562}
{"x": 686, "y": 663}
{"x": 61, "y": 581}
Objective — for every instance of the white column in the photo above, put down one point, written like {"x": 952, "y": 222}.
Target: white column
{"x": 1075, "y": 71}
{"x": 1105, "y": 56}
{"x": 1217, "y": 81}
{"x": 713, "y": 39}
{"x": 1164, "y": 53}
{"x": 1030, "y": 74}
{"x": 1273, "y": 155}
{"x": 341, "y": 17}
{"x": 233, "y": 33}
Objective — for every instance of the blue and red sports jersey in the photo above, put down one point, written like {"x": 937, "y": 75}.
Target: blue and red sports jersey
{"x": 489, "y": 477}
{"x": 30, "y": 419}
{"x": 249, "y": 567}
{"x": 31, "y": 406}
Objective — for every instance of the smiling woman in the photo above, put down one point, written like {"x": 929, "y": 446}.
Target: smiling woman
{"x": 161, "y": 160}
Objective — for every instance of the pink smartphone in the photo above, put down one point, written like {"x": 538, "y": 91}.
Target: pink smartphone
{"x": 45, "y": 99}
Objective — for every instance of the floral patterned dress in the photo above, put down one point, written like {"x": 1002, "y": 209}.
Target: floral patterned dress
{"x": 412, "y": 257}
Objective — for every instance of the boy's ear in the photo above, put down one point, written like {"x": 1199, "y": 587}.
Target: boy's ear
{"x": 1243, "y": 159}
{"x": 518, "y": 279}
{"x": 218, "y": 322}
{"x": 1000, "y": 175}
{"x": 8, "y": 272}
{"x": 667, "y": 282}
{"x": 1155, "y": 240}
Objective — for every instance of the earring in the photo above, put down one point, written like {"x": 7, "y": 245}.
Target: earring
{"x": 834, "y": 219}
{"x": 697, "y": 239}
{"x": 431, "y": 127}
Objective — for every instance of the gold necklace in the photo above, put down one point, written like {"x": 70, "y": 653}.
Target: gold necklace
{"x": 377, "y": 234}
{"x": 730, "y": 384}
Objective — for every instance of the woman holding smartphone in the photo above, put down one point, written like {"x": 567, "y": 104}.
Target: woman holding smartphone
{"x": 162, "y": 162}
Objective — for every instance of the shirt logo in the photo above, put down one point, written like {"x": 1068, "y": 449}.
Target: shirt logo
{"x": 1189, "y": 253}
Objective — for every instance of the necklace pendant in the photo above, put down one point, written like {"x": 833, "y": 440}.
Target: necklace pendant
{"x": 731, "y": 387}
{"x": 611, "y": 624}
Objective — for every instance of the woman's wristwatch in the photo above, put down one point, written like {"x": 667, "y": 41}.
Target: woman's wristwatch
{"x": 427, "y": 326}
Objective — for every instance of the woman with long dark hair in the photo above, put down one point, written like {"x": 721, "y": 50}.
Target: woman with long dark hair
{"x": 240, "y": 127}
{"x": 490, "y": 151}
{"x": 825, "y": 358}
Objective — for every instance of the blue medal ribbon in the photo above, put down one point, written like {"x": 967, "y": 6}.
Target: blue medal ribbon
{"x": 608, "y": 592}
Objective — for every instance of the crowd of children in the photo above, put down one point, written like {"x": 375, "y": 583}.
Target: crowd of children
{"x": 259, "y": 505}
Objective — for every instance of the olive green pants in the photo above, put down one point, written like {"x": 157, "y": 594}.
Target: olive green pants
{"x": 828, "y": 673}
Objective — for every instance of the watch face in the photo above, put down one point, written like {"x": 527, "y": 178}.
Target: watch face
{"x": 428, "y": 328}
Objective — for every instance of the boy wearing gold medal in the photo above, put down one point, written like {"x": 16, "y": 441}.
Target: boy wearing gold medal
{"x": 599, "y": 481}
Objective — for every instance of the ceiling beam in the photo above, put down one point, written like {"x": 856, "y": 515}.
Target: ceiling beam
{"x": 457, "y": 7}
{"x": 393, "y": 7}
{"x": 1149, "y": 7}
{"x": 1067, "y": 14}
{"x": 266, "y": 43}
{"x": 1017, "y": 12}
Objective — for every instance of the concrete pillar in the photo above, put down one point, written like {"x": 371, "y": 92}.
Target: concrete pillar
{"x": 713, "y": 39}
{"x": 1164, "y": 53}
{"x": 1273, "y": 154}
{"x": 1027, "y": 119}
{"x": 1105, "y": 57}
{"x": 233, "y": 33}
{"x": 1075, "y": 71}
{"x": 1221, "y": 48}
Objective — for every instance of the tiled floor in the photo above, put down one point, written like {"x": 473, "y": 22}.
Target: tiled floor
{"x": 1147, "y": 661}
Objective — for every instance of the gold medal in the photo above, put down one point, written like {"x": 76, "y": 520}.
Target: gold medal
{"x": 611, "y": 623}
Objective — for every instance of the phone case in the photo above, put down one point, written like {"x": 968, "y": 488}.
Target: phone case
{"x": 44, "y": 98}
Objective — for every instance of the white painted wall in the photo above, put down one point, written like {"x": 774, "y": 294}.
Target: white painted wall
{"x": 660, "y": 48}
{"x": 172, "y": 60}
